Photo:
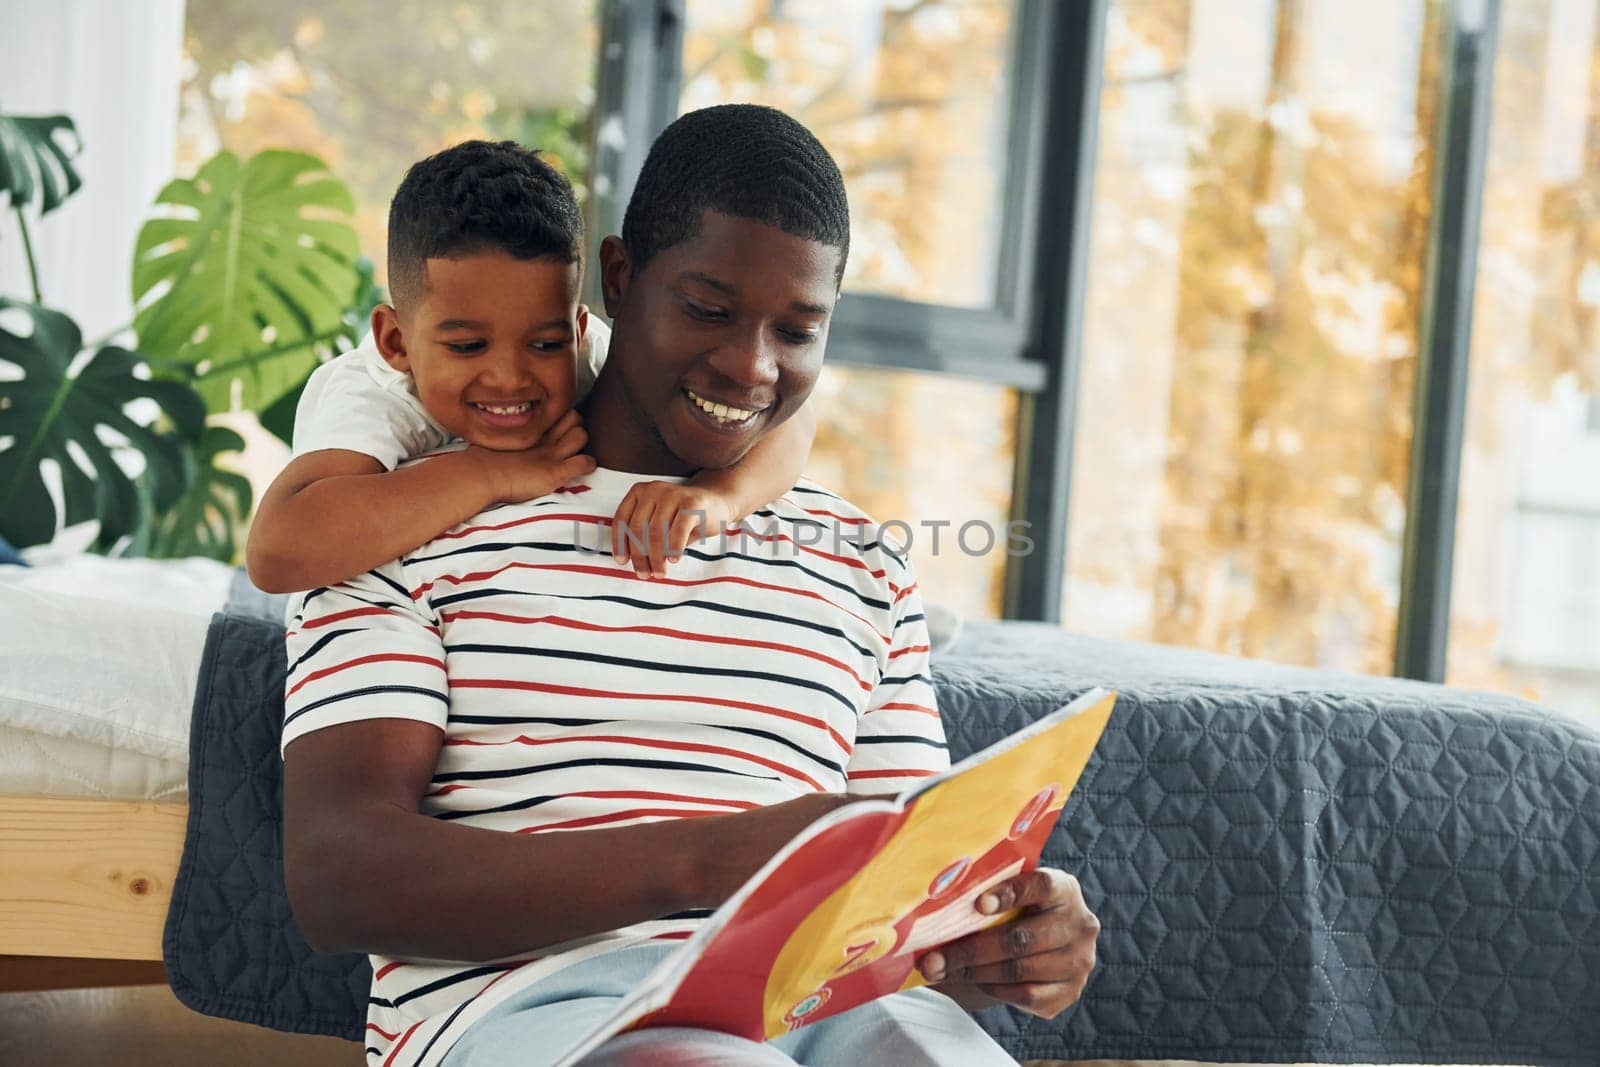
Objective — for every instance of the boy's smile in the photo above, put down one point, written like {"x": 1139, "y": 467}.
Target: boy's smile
{"x": 717, "y": 340}
{"x": 490, "y": 345}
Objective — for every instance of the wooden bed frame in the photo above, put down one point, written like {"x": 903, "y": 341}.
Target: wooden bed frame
{"x": 84, "y": 888}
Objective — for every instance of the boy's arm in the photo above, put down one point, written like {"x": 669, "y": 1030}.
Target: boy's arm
{"x": 333, "y": 513}
{"x": 666, "y": 517}
{"x": 768, "y": 470}
{"x": 367, "y": 872}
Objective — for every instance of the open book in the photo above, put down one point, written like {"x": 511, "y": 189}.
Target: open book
{"x": 844, "y": 912}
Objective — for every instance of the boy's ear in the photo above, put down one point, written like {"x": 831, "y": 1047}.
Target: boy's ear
{"x": 391, "y": 341}
{"x": 581, "y": 324}
{"x": 615, "y": 272}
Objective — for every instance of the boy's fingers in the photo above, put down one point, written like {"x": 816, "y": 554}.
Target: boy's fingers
{"x": 574, "y": 467}
{"x": 643, "y": 546}
{"x": 685, "y": 527}
{"x": 620, "y": 524}
{"x": 559, "y": 428}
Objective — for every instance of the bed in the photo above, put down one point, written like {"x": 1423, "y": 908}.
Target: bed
{"x": 1289, "y": 865}
{"x": 99, "y": 664}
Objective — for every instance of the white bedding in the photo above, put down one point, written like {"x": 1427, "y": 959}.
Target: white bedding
{"x": 98, "y": 663}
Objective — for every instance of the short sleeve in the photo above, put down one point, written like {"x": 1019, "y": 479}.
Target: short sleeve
{"x": 900, "y": 738}
{"x": 590, "y": 356}
{"x": 363, "y": 649}
{"x": 358, "y": 403}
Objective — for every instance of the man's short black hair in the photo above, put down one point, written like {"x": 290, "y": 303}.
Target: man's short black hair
{"x": 744, "y": 160}
{"x": 479, "y": 196}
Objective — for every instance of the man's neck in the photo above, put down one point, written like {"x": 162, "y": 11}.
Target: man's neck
{"x": 619, "y": 440}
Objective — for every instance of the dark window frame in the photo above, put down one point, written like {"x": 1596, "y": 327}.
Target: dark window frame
{"x": 1031, "y": 338}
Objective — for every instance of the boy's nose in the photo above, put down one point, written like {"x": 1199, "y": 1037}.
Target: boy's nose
{"x": 508, "y": 371}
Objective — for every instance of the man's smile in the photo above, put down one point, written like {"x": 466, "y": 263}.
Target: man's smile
{"x": 720, "y": 415}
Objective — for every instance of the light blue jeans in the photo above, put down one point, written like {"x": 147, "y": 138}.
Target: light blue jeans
{"x": 539, "y": 1024}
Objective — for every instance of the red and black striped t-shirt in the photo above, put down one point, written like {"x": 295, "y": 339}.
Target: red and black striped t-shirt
{"x": 789, "y": 658}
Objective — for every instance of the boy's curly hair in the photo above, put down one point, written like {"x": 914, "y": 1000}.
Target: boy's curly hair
{"x": 474, "y": 197}
{"x": 743, "y": 160}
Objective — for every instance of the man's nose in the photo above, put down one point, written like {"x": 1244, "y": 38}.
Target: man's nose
{"x": 749, "y": 359}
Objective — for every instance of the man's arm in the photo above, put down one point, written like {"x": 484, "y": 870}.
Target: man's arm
{"x": 333, "y": 514}
{"x": 366, "y": 871}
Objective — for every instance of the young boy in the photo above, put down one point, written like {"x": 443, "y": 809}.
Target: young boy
{"x": 499, "y": 304}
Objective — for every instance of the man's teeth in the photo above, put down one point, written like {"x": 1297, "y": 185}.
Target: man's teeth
{"x": 505, "y": 409}
{"x": 720, "y": 412}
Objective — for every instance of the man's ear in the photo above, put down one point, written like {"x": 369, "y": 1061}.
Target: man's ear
{"x": 389, "y": 337}
{"x": 615, "y": 272}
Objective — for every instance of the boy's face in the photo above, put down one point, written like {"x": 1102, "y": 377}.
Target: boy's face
{"x": 720, "y": 338}
{"x": 490, "y": 345}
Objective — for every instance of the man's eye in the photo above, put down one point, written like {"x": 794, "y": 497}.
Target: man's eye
{"x": 798, "y": 337}
{"x": 705, "y": 314}
{"x": 464, "y": 348}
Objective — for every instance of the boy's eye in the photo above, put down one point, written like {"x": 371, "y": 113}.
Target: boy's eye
{"x": 464, "y": 348}
{"x": 550, "y": 346}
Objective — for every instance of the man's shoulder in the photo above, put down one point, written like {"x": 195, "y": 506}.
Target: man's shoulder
{"x": 845, "y": 528}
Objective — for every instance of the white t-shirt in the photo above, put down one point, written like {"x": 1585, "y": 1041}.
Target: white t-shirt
{"x": 359, "y": 403}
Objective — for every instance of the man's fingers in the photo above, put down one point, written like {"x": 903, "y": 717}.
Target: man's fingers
{"x": 1025, "y": 936}
{"x": 1062, "y": 965}
{"x": 1043, "y": 887}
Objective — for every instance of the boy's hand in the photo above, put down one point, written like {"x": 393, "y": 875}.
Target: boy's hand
{"x": 513, "y": 477}
{"x": 1039, "y": 961}
{"x": 656, "y": 521}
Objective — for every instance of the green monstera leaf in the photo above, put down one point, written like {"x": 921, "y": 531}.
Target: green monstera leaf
{"x": 205, "y": 519}
{"x": 36, "y": 157}
{"x": 57, "y": 408}
{"x": 250, "y": 269}
{"x": 278, "y": 417}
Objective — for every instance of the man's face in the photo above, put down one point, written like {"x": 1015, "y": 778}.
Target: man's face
{"x": 490, "y": 345}
{"x": 720, "y": 338}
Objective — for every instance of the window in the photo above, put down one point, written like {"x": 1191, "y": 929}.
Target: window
{"x": 911, "y": 99}
{"x": 914, "y": 102}
{"x": 1260, "y": 226}
{"x": 1525, "y": 602}
{"x": 372, "y": 87}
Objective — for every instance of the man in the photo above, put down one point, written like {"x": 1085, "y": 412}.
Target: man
{"x": 449, "y": 712}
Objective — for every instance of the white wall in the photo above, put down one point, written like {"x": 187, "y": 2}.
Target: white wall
{"x": 113, "y": 66}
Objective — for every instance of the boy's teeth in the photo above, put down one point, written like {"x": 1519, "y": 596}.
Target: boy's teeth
{"x": 502, "y": 409}
{"x": 720, "y": 412}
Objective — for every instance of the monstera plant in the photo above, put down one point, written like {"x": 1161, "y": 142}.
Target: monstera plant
{"x": 243, "y": 276}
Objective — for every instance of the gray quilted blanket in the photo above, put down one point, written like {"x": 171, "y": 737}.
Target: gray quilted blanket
{"x": 1289, "y": 865}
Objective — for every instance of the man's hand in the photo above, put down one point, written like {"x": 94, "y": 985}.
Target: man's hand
{"x": 513, "y": 477}
{"x": 1039, "y": 961}
{"x": 656, "y": 521}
